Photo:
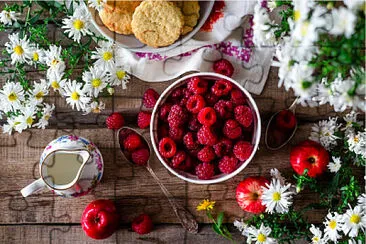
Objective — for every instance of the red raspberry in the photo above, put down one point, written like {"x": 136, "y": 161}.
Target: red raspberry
{"x": 177, "y": 116}
{"x": 197, "y": 85}
{"x": 167, "y": 147}
{"x": 143, "y": 119}
{"x": 207, "y": 116}
{"x": 132, "y": 142}
{"x": 237, "y": 97}
{"x": 177, "y": 94}
{"x": 178, "y": 161}
{"x": 228, "y": 164}
{"x": 194, "y": 152}
{"x": 242, "y": 150}
{"x": 223, "y": 148}
{"x": 211, "y": 99}
{"x": 140, "y": 156}
{"x": 164, "y": 111}
{"x": 190, "y": 141}
{"x": 286, "y": 120}
{"x": 187, "y": 93}
{"x": 224, "y": 109}
{"x": 149, "y": 98}
{"x": 243, "y": 114}
{"x": 115, "y": 121}
{"x": 195, "y": 103}
{"x": 223, "y": 67}
{"x": 206, "y": 154}
{"x": 142, "y": 224}
{"x": 194, "y": 124}
{"x": 232, "y": 129}
{"x": 206, "y": 136}
{"x": 205, "y": 171}
{"x": 221, "y": 88}
{"x": 176, "y": 133}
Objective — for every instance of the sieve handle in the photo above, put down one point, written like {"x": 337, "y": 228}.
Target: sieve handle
{"x": 33, "y": 187}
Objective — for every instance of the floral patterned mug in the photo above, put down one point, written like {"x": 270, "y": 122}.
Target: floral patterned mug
{"x": 70, "y": 166}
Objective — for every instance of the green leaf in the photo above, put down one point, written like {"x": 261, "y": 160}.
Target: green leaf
{"x": 220, "y": 218}
{"x": 216, "y": 229}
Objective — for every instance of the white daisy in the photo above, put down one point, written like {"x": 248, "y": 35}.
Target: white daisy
{"x": 46, "y": 115}
{"x": 354, "y": 4}
{"x": 263, "y": 33}
{"x": 323, "y": 132}
{"x": 354, "y": 220}
{"x": 95, "y": 79}
{"x": 12, "y": 96}
{"x": 38, "y": 54}
{"x": 357, "y": 143}
{"x": 104, "y": 56}
{"x": 242, "y": 227}
{"x": 333, "y": 225}
{"x": 117, "y": 76}
{"x": 97, "y": 4}
{"x": 53, "y": 59}
{"x": 39, "y": 91}
{"x": 19, "y": 49}
{"x": 301, "y": 9}
{"x": 261, "y": 235}
{"x": 55, "y": 80}
{"x": 335, "y": 165}
{"x": 299, "y": 79}
{"x": 350, "y": 119}
{"x": 344, "y": 21}
{"x": 9, "y": 127}
{"x": 317, "y": 235}
{"x": 26, "y": 120}
{"x": 7, "y": 17}
{"x": 361, "y": 201}
{"x": 94, "y": 107}
{"x": 75, "y": 95}
{"x": 276, "y": 197}
{"x": 78, "y": 24}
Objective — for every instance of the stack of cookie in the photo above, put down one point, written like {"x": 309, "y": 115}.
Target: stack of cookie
{"x": 154, "y": 23}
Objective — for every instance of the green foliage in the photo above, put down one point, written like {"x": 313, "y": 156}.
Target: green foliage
{"x": 218, "y": 227}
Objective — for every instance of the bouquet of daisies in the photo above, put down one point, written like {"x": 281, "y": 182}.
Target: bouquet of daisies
{"x": 319, "y": 49}
{"x": 22, "y": 101}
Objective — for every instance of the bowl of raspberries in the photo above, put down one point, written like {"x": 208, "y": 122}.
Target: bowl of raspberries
{"x": 205, "y": 128}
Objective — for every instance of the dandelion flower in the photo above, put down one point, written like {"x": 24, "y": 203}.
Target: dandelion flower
{"x": 206, "y": 205}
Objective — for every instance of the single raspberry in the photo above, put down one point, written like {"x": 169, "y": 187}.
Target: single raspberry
{"x": 143, "y": 119}
{"x": 167, "y": 147}
{"x": 206, "y": 136}
{"x": 228, "y": 164}
{"x": 197, "y": 85}
{"x": 242, "y": 150}
{"x": 221, "y": 88}
{"x": 178, "y": 161}
{"x": 142, "y": 224}
{"x": 205, "y": 171}
{"x": 176, "y": 133}
{"x": 187, "y": 93}
{"x": 132, "y": 142}
{"x": 115, "y": 121}
{"x": 232, "y": 129}
{"x": 194, "y": 124}
{"x": 190, "y": 141}
{"x": 224, "y": 109}
{"x": 286, "y": 120}
{"x": 243, "y": 114}
{"x": 211, "y": 99}
{"x": 140, "y": 156}
{"x": 177, "y": 94}
{"x": 149, "y": 98}
{"x": 207, "y": 116}
{"x": 177, "y": 116}
{"x": 224, "y": 147}
{"x": 237, "y": 97}
{"x": 206, "y": 154}
{"x": 223, "y": 67}
{"x": 164, "y": 111}
{"x": 195, "y": 103}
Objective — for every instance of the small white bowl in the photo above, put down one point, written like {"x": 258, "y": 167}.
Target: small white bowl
{"x": 190, "y": 177}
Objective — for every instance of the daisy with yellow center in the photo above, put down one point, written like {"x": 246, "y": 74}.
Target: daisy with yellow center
{"x": 11, "y": 96}
{"x": 317, "y": 235}
{"x": 19, "y": 49}
{"x": 117, "y": 76}
{"x": 206, "y": 205}
{"x": 46, "y": 115}
{"x": 104, "y": 55}
{"x": 333, "y": 225}
{"x": 97, "y": 4}
{"x": 96, "y": 80}
{"x": 55, "y": 80}
{"x": 7, "y": 17}
{"x": 77, "y": 25}
{"x": 354, "y": 221}
{"x": 26, "y": 120}
{"x": 276, "y": 198}
{"x": 261, "y": 235}
{"x": 75, "y": 95}
{"x": 39, "y": 91}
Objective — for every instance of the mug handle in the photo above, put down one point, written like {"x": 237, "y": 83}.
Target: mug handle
{"x": 33, "y": 187}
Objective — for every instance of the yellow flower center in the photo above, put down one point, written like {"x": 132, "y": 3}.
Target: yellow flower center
{"x": 78, "y": 24}
{"x": 35, "y": 56}
{"x": 39, "y": 95}
{"x": 54, "y": 62}
{"x": 12, "y": 97}
{"x": 356, "y": 139}
{"x": 332, "y": 224}
{"x": 304, "y": 28}
{"x": 55, "y": 85}
{"x": 96, "y": 83}
{"x": 276, "y": 196}
{"x": 107, "y": 56}
{"x": 16, "y": 123}
{"x": 355, "y": 219}
{"x": 18, "y": 50}
{"x": 120, "y": 74}
{"x": 29, "y": 120}
{"x": 47, "y": 117}
{"x": 297, "y": 15}
{"x": 75, "y": 96}
{"x": 96, "y": 110}
{"x": 98, "y": 2}
{"x": 315, "y": 239}
{"x": 261, "y": 237}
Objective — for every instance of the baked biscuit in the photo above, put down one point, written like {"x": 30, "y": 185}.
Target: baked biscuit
{"x": 191, "y": 13}
{"x": 117, "y": 15}
{"x": 157, "y": 23}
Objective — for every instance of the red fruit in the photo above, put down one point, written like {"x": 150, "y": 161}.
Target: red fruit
{"x": 132, "y": 142}
{"x": 238, "y": 97}
{"x": 286, "y": 120}
{"x": 309, "y": 155}
{"x": 164, "y": 111}
{"x": 195, "y": 103}
{"x": 206, "y": 136}
{"x": 221, "y": 88}
{"x": 167, "y": 147}
{"x": 142, "y": 224}
{"x": 224, "y": 109}
{"x": 100, "y": 219}
{"x": 115, "y": 121}
{"x": 242, "y": 150}
{"x": 232, "y": 129}
{"x": 163, "y": 131}
{"x": 243, "y": 114}
{"x": 197, "y": 85}
{"x": 177, "y": 94}
{"x": 228, "y": 164}
{"x": 176, "y": 133}
{"x": 190, "y": 141}
{"x": 207, "y": 116}
{"x": 211, "y": 99}
{"x": 223, "y": 67}
{"x": 249, "y": 193}
{"x": 140, "y": 156}
{"x": 149, "y": 98}
{"x": 179, "y": 159}
{"x": 143, "y": 119}
{"x": 223, "y": 148}
{"x": 205, "y": 171}
{"x": 194, "y": 124}
{"x": 177, "y": 116}
{"x": 206, "y": 154}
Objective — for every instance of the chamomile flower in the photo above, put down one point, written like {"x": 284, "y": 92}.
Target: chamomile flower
{"x": 39, "y": 91}
{"x": 263, "y": 33}
{"x": 301, "y": 9}
{"x": 95, "y": 79}
{"x": 361, "y": 201}
{"x": 242, "y": 227}
{"x": 26, "y": 120}
{"x": 276, "y": 197}
{"x": 46, "y": 115}
{"x": 317, "y": 235}
{"x": 12, "y": 96}
{"x": 324, "y": 133}
{"x": 53, "y": 59}
{"x": 335, "y": 165}
{"x": 9, "y": 126}
{"x": 261, "y": 235}
{"x": 357, "y": 143}
{"x": 354, "y": 220}
{"x": 97, "y": 4}
{"x": 333, "y": 225}
{"x": 344, "y": 21}
{"x": 350, "y": 119}
{"x": 7, "y": 17}
{"x": 38, "y": 54}
{"x": 104, "y": 56}
{"x": 19, "y": 49}
{"x": 78, "y": 24}
{"x": 94, "y": 107}
{"x": 55, "y": 80}
{"x": 75, "y": 95}
{"x": 117, "y": 76}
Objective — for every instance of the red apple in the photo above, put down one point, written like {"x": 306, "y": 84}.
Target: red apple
{"x": 249, "y": 192}
{"x": 309, "y": 155}
{"x": 100, "y": 219}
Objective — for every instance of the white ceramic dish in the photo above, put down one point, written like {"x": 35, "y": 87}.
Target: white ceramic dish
{"x": 190, "y": 177}
{"x": 130, "y": 42}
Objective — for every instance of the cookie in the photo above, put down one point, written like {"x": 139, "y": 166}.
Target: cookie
{"x": 191, "y": 13}
{"x": 157, "y": 23}
{"x": 117, "y": 15}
